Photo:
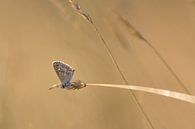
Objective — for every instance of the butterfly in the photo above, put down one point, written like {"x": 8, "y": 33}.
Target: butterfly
{"x": 65, "y": 73}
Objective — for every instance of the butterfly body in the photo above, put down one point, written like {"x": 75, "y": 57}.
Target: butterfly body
{"x": 65, "y": 73}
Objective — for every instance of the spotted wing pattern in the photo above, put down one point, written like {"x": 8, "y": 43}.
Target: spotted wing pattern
{"x": 64, "y": 72}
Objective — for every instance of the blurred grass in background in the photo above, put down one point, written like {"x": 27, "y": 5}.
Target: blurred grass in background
{"x": 34, "y": 33}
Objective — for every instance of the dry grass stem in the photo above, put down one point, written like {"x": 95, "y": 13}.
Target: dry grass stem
{"x": 78, "y": 9}
{"x": 167, "y": 93}
{"x": 137, "y": 34}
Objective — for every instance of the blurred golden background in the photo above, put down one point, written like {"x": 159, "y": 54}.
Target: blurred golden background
{"x": 34, "y": 33}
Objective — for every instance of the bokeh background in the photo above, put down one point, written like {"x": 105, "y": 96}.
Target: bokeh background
{"x": 33, "y": 33}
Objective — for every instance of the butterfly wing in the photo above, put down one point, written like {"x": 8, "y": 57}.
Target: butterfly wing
{"x": 64, "y": 72}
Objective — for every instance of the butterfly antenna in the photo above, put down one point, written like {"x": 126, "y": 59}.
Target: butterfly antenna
{"x": 55, "y": 86}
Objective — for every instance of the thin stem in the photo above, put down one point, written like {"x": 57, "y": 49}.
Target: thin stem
{"x": 133, "y": 30}
{"x": 167, "y": 93}
{"x": 55, "y": 86}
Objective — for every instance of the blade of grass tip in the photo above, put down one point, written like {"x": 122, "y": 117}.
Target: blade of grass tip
{"x": 130, "y": 27}
{"x": 55, "y": 86}
{"x": 167, "y": 93}
{"x": 78, "y": 9}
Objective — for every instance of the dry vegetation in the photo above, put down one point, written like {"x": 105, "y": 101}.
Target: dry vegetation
{"x": 160, "y": 37}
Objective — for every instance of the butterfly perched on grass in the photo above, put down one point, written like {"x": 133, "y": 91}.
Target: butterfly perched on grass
{"x": 65, "y": 73}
